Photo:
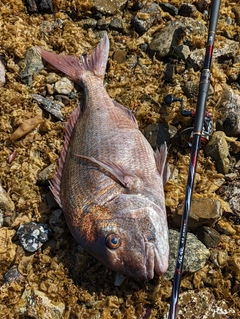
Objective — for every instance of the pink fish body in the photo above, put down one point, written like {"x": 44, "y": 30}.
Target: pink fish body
{"x": 110, "y": 182}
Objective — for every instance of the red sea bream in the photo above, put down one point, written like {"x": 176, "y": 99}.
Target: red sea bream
{"x": 109, "y": 181}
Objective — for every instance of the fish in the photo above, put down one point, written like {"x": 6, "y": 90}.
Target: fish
{"x": 109, "y": 182}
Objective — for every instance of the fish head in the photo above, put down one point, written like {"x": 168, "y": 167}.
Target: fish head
{"x": 133, "y": 242}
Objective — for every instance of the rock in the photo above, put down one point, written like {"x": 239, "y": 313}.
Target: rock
{"x": 208, "y": 236}
{"x": 2, "y": 74}
{"x": 13, "y": 275}
{"x": 6, "y": 204}
{"x": 89, "y": 23}
{"x": 62, "y": 98}
{"x": 191, "y": 89}
{"x": 116, "y": 25}
{"x": 182, "y": 52}
{"x": 64, "y": 86}
{"x": 187, "y": 10}
{"x": 204, "y": 211}
{"x": 39, "y": 6}
{"x": 49, "y": 105}
{"x": 31, "y": 64}
{"x": 51, "y": 78}
{"x": 158, "y": 133}
{"x": 103, "y": 24}
{"x": 33, "y": 235}
{"x": 169, "y": 72}
{"x": 219, "y": 257}
{"x": 45, "y": 175}
{"x": 109, "y": 7}
{"x": 217, "y": 149}
{"x": 119, "y": 56}
{"x": 172, "y": 35}
{"x": 229, "y": 108}
{"x": 33, "y": 302}
{"x": 167, "y": 7}
{"x": 236, "y": 11}
{"x": 226, "y": 49}
{"x": 146, "y": 17}
{"x": 56, "y": 220}
{"x": 196, "y": 254}
{"x": 199, "y": 304}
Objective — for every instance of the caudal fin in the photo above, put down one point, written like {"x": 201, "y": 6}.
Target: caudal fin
{"x": 74, "y": 67}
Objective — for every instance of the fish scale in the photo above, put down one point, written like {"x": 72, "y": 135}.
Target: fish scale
{"x": 109, "y": 181}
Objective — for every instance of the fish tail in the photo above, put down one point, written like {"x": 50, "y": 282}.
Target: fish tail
{"x": 74, "y": 67}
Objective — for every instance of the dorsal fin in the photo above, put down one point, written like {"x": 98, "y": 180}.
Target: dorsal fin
{"x": 55, "y": 184}
{"x": 126, "y": 111}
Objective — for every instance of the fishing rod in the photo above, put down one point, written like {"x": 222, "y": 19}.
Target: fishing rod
{"x": 197, "y": 134}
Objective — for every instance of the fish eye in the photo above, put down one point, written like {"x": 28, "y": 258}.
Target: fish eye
{"x": 113, "y": 241}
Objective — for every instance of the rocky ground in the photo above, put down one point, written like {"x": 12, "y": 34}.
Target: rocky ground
{"x": 156, "y": 49}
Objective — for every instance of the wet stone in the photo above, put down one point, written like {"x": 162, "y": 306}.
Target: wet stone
{"x": 196, "y": 254}
{"x": 208, "y": 236}
{"x": 64, "y": 86}
{"x": 31, "y": 64}
{"x": 50, "y": 106}
{"x": 33, "y": 235}
{"x": 204, "y": 211}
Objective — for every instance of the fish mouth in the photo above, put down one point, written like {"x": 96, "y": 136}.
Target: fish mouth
{"x": 153, "y": 262}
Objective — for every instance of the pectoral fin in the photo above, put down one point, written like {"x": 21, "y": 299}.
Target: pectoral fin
{"x": 161, "y": 162}
{"x": 126, "y": 178}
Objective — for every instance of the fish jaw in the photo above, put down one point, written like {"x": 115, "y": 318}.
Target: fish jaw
{"x": 144, "y": 248}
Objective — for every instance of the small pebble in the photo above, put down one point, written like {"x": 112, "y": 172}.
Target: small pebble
{"x": 13, "y": 275}
{"x": 6, "y": 204}
{"x": 50, "y": 106}
{"x": 45, "y": 175}
{"x": 208, "y": 236}
{"x": 64, "y": 86}
{"x": 2, "y": 74}
{"x": 33, "y": 235}
{"x": 119, "y": 56}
